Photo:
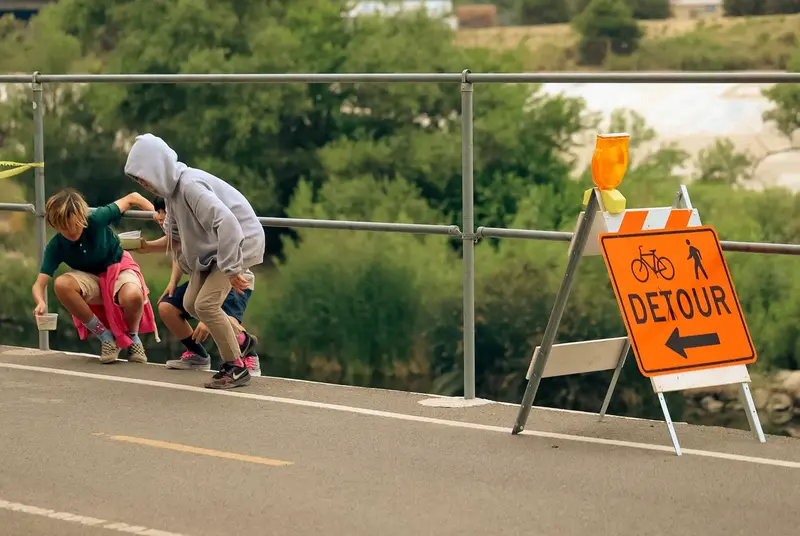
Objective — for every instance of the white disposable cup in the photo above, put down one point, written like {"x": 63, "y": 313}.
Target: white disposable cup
{"x": 47, "y": 321}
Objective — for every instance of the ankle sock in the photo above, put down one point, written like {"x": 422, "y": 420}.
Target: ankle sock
{"x": 240, "y": 339}
{"x": 135, "y": 338}
{"x": 194, "y": 347}
{"x": 95, "y": 326}
{"x": 238, "y": 362}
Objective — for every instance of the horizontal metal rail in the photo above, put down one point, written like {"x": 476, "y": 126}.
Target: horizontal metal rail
{"x": 235, "y": 78}
{"x": 344, "y": 225}
{"x": 714, "y": 77}
{"x": 412, "y": 228}
{"x": 468, "y": 77}
{"x": 557, "y": 236}
{"x": 761, "y": 247}
{"x": 18, "y": 207}
{"x": 451, "y": 230}
{"x": 528, "y": 234}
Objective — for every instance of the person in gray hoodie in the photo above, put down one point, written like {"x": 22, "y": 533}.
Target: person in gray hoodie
{"x": 218, "y": 233}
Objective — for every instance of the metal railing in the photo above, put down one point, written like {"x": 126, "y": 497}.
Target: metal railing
{"x": 467, "y": 233}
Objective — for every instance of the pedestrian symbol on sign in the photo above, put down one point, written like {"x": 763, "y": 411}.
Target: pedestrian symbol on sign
{"x": 694, "y": 254}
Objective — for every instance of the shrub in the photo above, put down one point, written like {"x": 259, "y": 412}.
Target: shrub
{"x": 544, "y": 11}
{"x": 606, "y": 26}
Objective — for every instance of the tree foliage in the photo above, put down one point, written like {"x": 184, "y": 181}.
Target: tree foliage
{"x": 544, "y": 12}
{"x": 742, "y": 8}
{"x": 606, "y": 26}
{"x": 786, "y": 97}
{"x": 640, "y": 9}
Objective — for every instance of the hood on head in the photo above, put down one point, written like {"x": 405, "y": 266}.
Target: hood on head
{"x": 152, "y": 160}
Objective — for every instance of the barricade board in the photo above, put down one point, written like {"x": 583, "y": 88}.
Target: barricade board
{"x": 678, "y": 303}
{"x": 580, "y": 357}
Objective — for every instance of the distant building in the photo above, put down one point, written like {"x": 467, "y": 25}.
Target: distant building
{"x": 696, "y": 9}
{"x": 477, "y": 16}
{"x": 442, "y": 9}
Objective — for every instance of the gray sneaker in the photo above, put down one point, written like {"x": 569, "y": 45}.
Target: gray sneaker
{"x": 136, "y": 354}
{"x": 109, "y": 352}
{"x": 190, "y": 361}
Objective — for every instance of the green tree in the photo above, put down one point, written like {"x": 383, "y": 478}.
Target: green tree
{"x": 786, "y": 111}
{"x": 742, "y": 8}
{"x": 640, "y": 9}
{"x": 266, "y": 138}
{"x": 775, "y": 7}
{"x": 721, "y": 163}
{"x": 606, "y": 26}
{"x": 650, "y": 9}
{"x": 544, "y": 11}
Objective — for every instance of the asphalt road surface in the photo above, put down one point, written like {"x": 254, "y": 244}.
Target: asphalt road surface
{"x": 92, "y": 449}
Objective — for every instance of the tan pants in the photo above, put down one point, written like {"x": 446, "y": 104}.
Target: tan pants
{"x": 90, "y": 284}
{"x": 203, "y": 300}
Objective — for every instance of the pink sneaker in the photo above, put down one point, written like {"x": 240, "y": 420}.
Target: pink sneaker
{"x": 253, "y": 364}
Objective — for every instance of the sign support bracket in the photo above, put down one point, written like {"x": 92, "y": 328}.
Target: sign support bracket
{"x": 671, "y": 427}
{"x": 621, "y": 363}
{"x": 750, "y": 410}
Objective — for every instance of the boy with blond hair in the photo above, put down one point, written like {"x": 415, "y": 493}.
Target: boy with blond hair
{"x": 104, "y": 280}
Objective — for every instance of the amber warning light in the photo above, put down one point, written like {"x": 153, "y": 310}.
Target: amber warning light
{"x": 609, "y": 164}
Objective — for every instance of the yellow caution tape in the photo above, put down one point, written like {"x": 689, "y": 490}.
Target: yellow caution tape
{"x": 17, "y": 168}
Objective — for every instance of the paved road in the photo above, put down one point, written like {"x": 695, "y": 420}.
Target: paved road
{"x": 114, "y": 447}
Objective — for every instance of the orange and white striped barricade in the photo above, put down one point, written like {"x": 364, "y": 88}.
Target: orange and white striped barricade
{"x": 676, "y": 296}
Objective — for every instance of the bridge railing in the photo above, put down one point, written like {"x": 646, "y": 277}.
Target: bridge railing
{"x": 466, "y": 81}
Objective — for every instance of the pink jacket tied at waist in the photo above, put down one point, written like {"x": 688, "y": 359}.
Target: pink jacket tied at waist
{"x": 110, "y": 313}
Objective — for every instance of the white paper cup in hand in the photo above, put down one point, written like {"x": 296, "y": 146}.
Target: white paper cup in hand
{"x": 47, "y": 321}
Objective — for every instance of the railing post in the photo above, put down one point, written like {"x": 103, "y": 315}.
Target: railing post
{"x": 468, "y": 234}
{"x": 38, "y": 157}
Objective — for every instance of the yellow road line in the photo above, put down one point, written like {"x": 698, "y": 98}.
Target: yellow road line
{"x": 196, "y": 450}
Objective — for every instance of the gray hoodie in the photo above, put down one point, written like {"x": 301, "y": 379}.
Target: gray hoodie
{"x": 215, "y": 222}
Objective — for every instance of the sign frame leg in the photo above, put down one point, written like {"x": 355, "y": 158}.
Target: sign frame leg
{"x": 750, "y": 411}
{"x": 622, "y": 357}
{"x": 670, "y": 426}
{"x": 581, "y": 237}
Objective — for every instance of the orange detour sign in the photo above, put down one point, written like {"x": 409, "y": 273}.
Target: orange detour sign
{"x": 677, "y": 299}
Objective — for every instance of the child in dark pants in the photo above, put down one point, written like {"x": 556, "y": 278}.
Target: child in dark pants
{"x": 175, "y": 316}
{"x": 172, "y": 313}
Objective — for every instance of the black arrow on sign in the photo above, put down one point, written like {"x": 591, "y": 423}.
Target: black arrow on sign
{"x": 679, "y": 344}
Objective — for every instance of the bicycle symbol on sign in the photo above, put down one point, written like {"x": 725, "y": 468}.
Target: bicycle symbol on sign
{"x": 660, "y": 266}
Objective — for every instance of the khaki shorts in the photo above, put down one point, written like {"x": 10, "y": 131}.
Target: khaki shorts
{"x": 90, "y": 284}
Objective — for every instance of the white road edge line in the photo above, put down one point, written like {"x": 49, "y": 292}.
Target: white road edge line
{"x": 83, "y": 520}
{"x": 358, "y": 387}
{"x": 405, "y": 417}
